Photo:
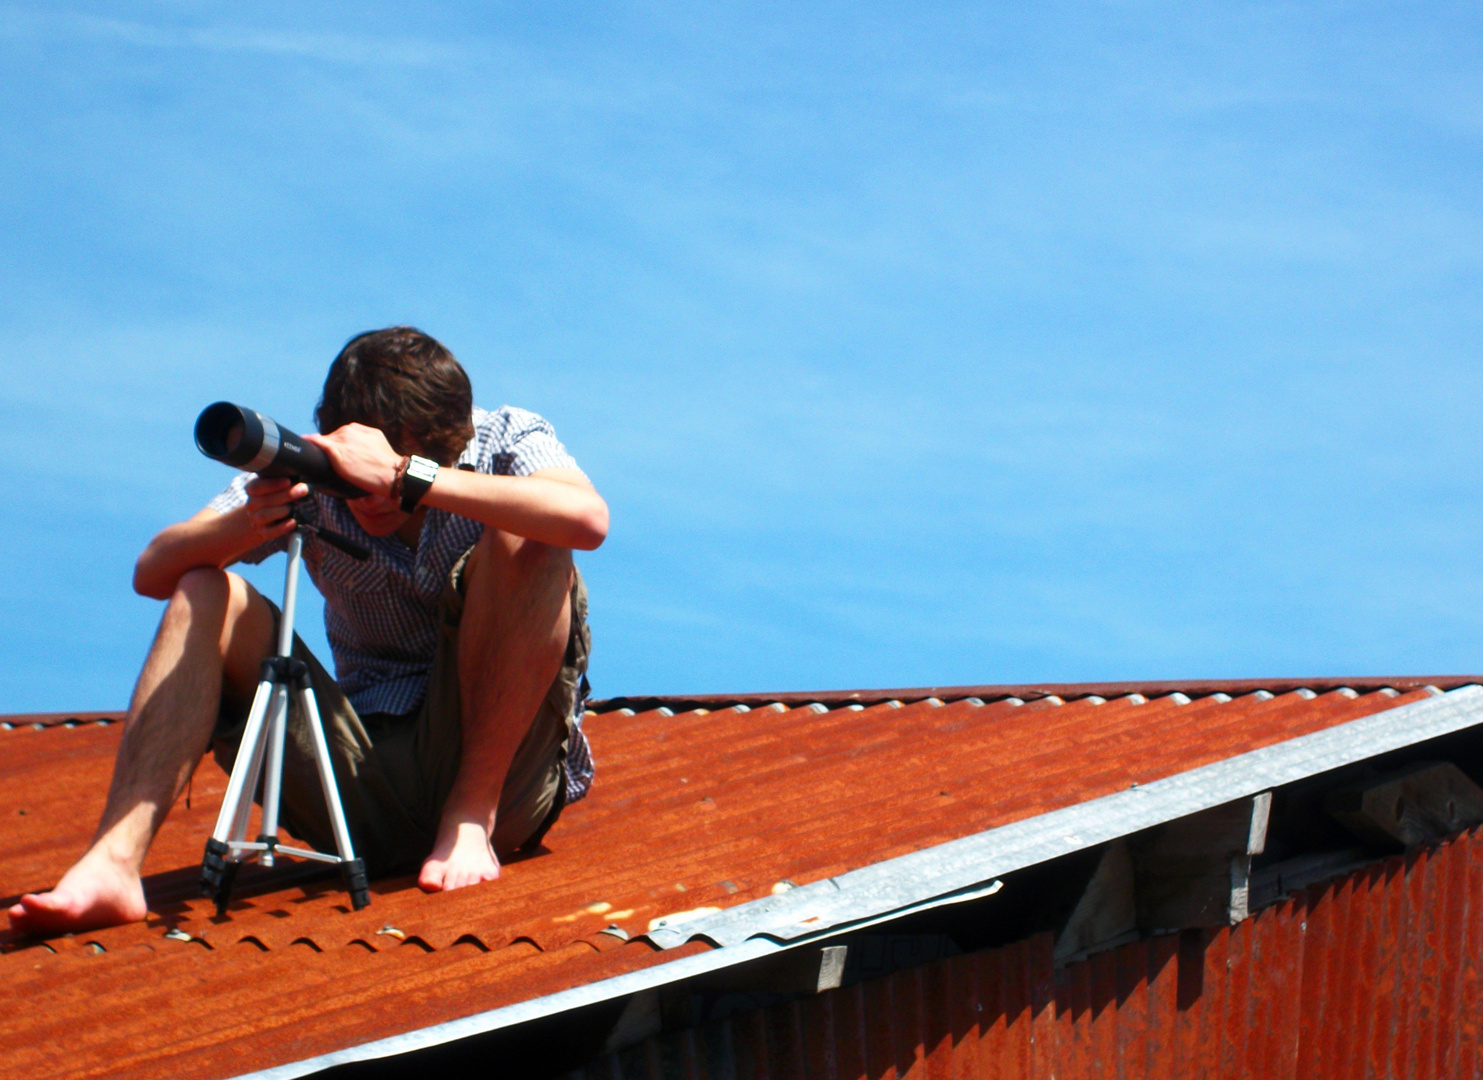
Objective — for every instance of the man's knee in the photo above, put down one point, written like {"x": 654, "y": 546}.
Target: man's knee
{"x": 202, "y": 592}
{"x": 501, "y": 558}
{"x": 221, "y": 604}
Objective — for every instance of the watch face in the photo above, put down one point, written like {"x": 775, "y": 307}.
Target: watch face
{"x": 419, "y": 476}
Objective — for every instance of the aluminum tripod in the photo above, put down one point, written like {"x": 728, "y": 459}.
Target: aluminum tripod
{"x": 262, "y": 742}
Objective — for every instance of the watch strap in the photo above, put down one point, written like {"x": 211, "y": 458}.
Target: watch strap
{"x": 416, "y": 480}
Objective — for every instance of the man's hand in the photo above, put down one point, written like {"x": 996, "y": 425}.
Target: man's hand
{"x": 268, "y": 501}
{"x": 361, "y": 455}
{"x": 213, "y": 539}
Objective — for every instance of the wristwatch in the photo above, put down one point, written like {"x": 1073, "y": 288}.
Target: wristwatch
{"x": 416, "y": 479}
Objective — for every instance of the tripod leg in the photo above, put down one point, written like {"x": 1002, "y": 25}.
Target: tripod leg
{"x": 277, "y": 704}
{"x": 354, "y": 868}
{"x": 240, "y": 785}
{"x": 218, "y": 867}
{"x": 273, "y": 778}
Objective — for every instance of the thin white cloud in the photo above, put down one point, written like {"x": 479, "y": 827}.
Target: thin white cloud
{"x": 17, "y": 23}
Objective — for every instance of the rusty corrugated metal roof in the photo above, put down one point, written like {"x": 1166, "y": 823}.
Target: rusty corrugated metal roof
{"x": 691, "y": 810}
{"x": 1379, "y": 973}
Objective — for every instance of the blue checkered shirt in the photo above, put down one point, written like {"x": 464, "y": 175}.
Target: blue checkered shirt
{"x": 381, "y": 615}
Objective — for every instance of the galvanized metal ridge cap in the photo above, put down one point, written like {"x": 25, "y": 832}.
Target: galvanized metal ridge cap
{"x": 904, "y": 882}
{"x": 618, "y": 986}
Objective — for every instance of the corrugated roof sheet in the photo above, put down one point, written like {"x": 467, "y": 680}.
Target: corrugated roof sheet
{"x": 695, "y": 809}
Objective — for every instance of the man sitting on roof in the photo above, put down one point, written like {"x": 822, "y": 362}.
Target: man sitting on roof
{"x": 460, "y": 645}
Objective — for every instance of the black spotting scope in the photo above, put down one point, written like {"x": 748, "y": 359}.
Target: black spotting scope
{"x": 254, "y": 443}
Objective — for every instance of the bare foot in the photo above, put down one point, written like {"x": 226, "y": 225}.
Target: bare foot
{"x": 96, "y": 892}
{"x": 462, "y": 856}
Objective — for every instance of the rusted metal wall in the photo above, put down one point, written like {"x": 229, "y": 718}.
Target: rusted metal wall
{"x": 1375, "y": 975}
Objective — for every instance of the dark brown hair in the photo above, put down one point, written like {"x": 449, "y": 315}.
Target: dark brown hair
{"x": 405, "y": 383}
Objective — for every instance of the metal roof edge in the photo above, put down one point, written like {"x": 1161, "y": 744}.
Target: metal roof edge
{"x": 954, "y": 870}
{"x": 618, "y": 986}
{"x": 1030, "y": 691}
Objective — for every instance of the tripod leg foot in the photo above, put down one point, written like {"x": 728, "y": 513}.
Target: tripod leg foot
{"x": 217, "y": 874}
{"x": 213, "y": 866}
{"x": 224, "y": 893}
{"x": 356, "y": 884}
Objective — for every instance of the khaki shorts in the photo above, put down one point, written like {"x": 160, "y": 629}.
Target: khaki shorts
{"x": 395, "y": 772}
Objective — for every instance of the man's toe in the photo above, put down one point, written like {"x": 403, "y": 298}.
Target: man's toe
{"x": 36, "y": 912}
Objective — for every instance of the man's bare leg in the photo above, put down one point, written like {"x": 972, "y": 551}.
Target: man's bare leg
{"x": 216, "y": 627}
{"x": 511, "y": 642}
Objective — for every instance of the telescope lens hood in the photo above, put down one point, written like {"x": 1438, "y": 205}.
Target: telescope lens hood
{"x": 252, "y": 442}
{"x": 236, "y": 436}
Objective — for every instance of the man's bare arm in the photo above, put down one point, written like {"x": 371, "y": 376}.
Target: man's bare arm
{"x": 212, "y": 539}
{"x": 554, "y": 506}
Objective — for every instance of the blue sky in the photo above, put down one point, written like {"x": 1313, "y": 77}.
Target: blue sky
{"x": 910, "y": 344}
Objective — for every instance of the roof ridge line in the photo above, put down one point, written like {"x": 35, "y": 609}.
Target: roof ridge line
{"x": 998, "y": 691}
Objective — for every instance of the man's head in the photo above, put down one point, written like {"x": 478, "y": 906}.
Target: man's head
{"x": 405, "y": 383}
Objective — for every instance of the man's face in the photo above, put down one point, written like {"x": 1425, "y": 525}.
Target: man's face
{"x": 379, "y": 515}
